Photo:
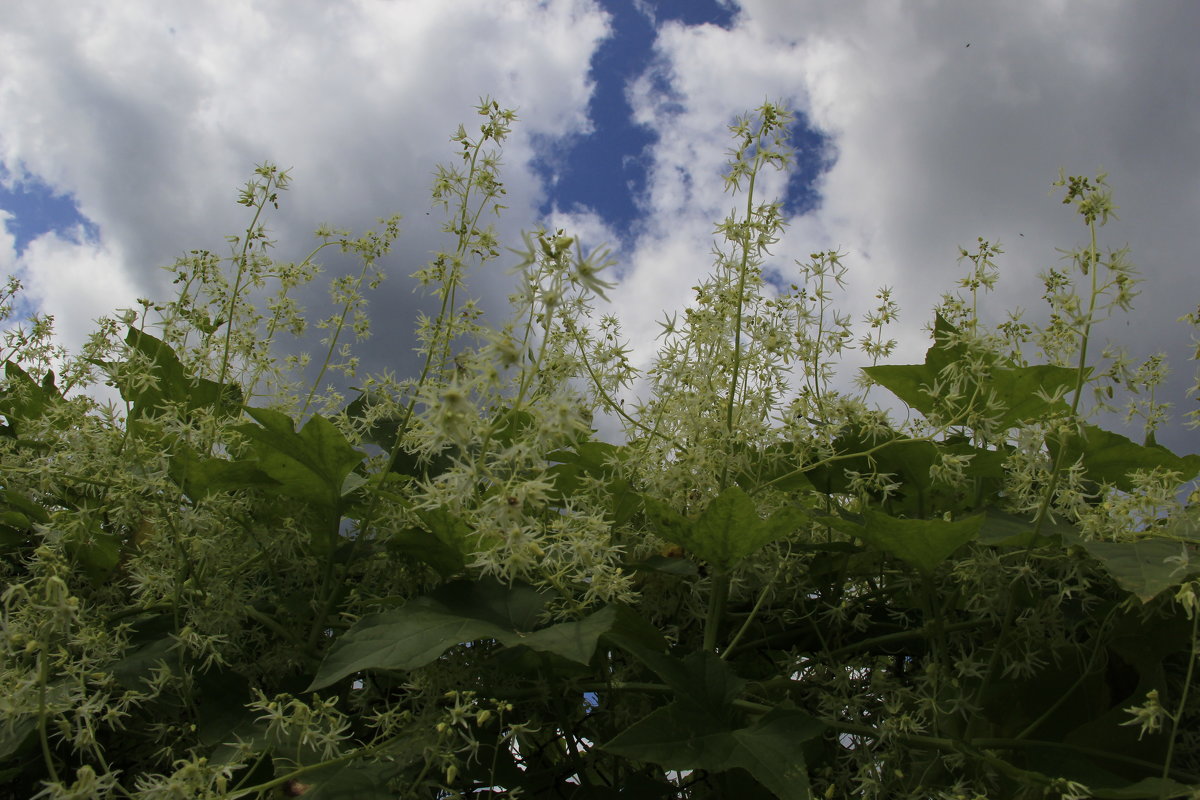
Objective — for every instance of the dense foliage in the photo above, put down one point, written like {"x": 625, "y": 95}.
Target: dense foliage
{"x": 228, "y": 585}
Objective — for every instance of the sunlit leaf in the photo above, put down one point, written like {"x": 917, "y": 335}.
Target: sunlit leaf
{"x": 311, "y": 464}
{"x": 1019, "y": 391}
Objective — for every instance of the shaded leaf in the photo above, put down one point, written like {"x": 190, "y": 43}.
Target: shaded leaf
{"x": 417, "y": 633}
{"x": 668, "y": 566}
{"x": 172, "y": 384}
{"x": 1145, "y": 567}
{"x": 1002, "y": 529}
{"x": 201, "y": 476}
{"x": 685, "y": 736}
{"x": 1147, "y": 789}
{"x": 728, "y": 530}
{"x": 406, "y": 638}
{"x": 24, "y": 399}
{"x": 1110, "y": 457}
{"x": 924, "y": 543}
{"x": 351, "y": 780}
{"x": 442, "y": 546}
{"x": 574, "y": 641}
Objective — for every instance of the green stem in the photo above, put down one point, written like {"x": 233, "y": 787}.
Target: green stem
{"x": 327, "y": 593}
{"x": 237, "y": 285}
{"x": 1080, "y": 379}
{"x": 746, "y": 625}
{"x": 743, "y": 268}
{"x": 611, "y": 404}
{"x": 1183, "y": 697}
{"x": 43, "y": 736}
{"x": 718, "y": 596}
{"x": 333, "y": 339}
{"x": 269, "y": 338}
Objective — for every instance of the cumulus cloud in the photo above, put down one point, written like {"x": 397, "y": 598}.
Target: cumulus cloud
{"x": 938, "y": 143}
{"x": 152, "y": 115}
{"x": 54, "y": 266}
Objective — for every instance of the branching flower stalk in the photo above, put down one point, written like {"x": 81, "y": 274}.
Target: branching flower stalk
{"x": 291, "y": 610}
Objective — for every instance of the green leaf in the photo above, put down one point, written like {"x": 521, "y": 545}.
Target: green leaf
{"x": 464, "y": 611}
{"x": 1147, "y": 789}
{"x": 1002, "y": 529}
{"x": 515, "y": 608}
{"x": 924, "y": 543}
{"x": 17, "y": 516}
{"x": 588, "y": 458}
{"x": 95, "y": 551}
{"x": 406, "y": 638}
{"x": 667, "y": 565}
{"x": 311, "y": 465}
{"x": 200, "y": 476}
{"x": 683, "y": 736}
{"x": 574, "y": 641}
{"x": 1018, "y": 390}
{"x": 351, "y": 780}
{"x": 171, "y": 382}
{"x": 382, "y": 431}
{"x": 442, "y": 546}
{"x": 24, "y": 399}
{"x": 728, "y": 530}
{"x": 1145, "y": 567}
{"x": 1110, "y": 457}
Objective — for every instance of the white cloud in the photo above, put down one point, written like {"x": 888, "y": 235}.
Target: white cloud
{"x": 153, "y": 114}
{"x": 938, "y": 143}
{"x": 54, "y": 267}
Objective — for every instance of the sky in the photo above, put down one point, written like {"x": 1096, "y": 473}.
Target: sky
{"x": 127, "y": 128}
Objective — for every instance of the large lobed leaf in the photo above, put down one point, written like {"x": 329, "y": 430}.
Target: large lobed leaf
{"x": 698, "y": 730}
{"x": 1020, "y": 391}
{"x": 1145, "y": 567}
{"x": 461, "y": 612}
{"x": 311, "y": 465}
{"x": 924, "y": 543}
{"x": 1112, "y": 458}
{"x": 727, "y": 531}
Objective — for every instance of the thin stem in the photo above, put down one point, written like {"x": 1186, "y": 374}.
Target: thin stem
{"x": 718, "y": 596}
{"x": 746, "y": 625}
{"x": 237, "y": 282}
{"x": 611, "y": 404}
{"x": 1183, "y": 698}
{"x": 333, "y": 337}
{"x": 43, "y": 736}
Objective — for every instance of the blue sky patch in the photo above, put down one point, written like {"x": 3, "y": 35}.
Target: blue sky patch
{"x": 815, "y": 154}
{"x": 36, "y": 209}
{"x": 606, "y": 169}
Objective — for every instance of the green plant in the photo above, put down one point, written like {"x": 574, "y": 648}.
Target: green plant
{"x": 449, "y": 586}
